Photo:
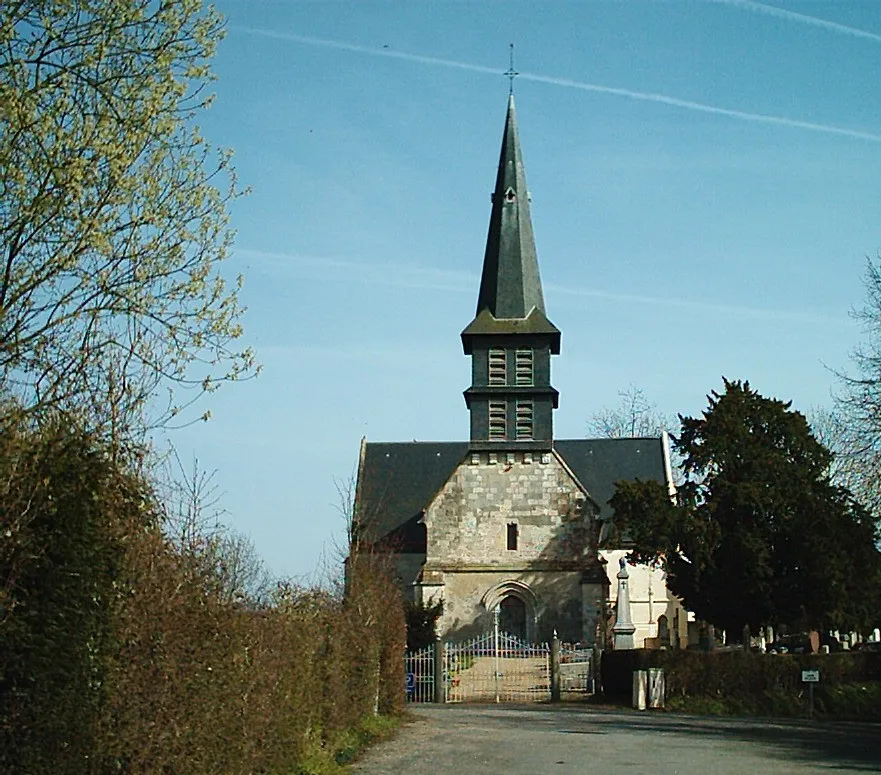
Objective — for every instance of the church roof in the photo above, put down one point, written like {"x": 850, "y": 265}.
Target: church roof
{"x": 599, "y": 463}
{"x": 534, "y": 323}
{"x": 397, "y": 481}
{"x": 510, "y": 286}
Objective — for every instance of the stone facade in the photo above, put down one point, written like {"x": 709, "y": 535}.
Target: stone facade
{"x": 513, "y": 525}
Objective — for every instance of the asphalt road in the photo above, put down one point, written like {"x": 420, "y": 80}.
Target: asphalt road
{"x": 569, "y": 739}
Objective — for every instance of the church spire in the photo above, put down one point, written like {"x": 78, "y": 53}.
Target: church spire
{"x": 510, "y": 340}
{"x": 510, "y": 299}
{"x": 510, "y": 286}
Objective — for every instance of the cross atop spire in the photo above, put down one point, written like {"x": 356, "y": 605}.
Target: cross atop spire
{"x": 511, "y": 73}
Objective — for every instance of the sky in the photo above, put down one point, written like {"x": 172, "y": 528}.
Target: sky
{"x": 704, "y": 180}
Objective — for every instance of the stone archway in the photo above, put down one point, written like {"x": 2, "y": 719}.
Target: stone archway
{"x": 517, "y": 608}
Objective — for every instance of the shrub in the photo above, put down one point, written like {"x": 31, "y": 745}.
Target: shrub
{"x": 121, "y": 650}
{"x": 65, "y": 511}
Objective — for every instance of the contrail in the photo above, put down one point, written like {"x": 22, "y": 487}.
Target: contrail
{"x": 814, "y": 21}
{"x": 705, "y": 307}
{"x": 383, "y": 52}
{"x": 663, "y": 99}
{"x": 702, "y": 107}
{"x": 337, "y": 269}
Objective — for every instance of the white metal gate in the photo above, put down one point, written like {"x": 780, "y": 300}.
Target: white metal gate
{"x": 420, "y": 674}
{"x": 497, "y": 667}
{"x": 576, "y": 673}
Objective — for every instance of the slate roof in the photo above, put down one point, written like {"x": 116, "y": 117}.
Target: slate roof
{"x": 534, "y": 323}
{"x": 599, "y": 463}
{"x": 396, "y": 481}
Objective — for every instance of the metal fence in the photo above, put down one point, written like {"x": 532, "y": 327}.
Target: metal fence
{"x": 496, "y": 667}
{"x": 576, "y": 670}
{"x": 420, "y": 675}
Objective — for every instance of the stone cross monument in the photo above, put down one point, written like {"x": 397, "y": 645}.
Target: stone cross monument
{"x": 624, "y": 626}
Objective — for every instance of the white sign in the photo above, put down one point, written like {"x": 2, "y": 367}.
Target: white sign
{"x": 810, "y": 676}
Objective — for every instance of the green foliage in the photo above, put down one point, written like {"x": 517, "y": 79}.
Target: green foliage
{"x": 331, "y": 758}
{"x": 65, "y": 509}
{"x": 757, "y": 534}
{"x": 856, "y": 700}
{"x": 421, "y": 620}
{"x": 113, "y": 221}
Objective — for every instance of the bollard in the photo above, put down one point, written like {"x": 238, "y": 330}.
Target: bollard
{"x": 439, "y": 685}
{"x": 656, "y": 687}
{"x": 640, "y": 689}
{"x": 555, "y": 668}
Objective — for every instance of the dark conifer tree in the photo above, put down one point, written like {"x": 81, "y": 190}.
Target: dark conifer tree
{"x": 757, "y": 533}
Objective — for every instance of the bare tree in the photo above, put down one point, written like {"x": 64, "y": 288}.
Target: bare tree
{"x": 634, "y": 416}
{"x": 191, "y": 501}
{"x": 229, "y": 560}
{"x": 856, "y": 436}
{"x": 854, "y": 465}
{"x": 239, "y": 569}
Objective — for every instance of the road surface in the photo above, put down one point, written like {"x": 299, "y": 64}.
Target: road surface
{"x": 570, "y": 739}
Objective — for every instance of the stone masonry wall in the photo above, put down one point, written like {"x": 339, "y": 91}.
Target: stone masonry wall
{"x": 467, "y": 521}
{"x": 558, "y": 598}
{"x": 468, "y": 564}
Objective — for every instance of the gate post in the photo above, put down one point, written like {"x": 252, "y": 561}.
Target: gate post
{"x": 555, "y": 668}
{"x": 439, "y": 685}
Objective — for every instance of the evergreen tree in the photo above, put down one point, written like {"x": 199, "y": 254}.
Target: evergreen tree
{"x": 757, "y": 533}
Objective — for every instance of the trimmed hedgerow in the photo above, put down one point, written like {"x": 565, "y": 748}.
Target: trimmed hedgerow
{"x": 745, "y": 682}
{"x": 119, "y": 650}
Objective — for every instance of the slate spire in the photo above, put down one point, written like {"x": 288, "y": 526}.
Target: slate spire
{"x": 510, "y": 340}
{"x": 510, "y": 286}
{"x": 510, "y": 300}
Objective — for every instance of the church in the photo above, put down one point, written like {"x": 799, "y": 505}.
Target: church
{"x": 509, "y": 522}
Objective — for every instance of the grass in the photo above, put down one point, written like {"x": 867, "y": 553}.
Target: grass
{"x": 841, "y": 701}
{"x": 332, "y": 758}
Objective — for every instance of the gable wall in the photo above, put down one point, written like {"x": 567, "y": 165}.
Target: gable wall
{"x": 468, "y": 561}
{"x": 467, "y": 521}
{"x": 649, "y": 600}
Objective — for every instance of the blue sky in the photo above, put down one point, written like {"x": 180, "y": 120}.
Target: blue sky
{"x": 704, "y": 180}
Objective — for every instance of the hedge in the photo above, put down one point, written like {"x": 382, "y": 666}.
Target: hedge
{"x": 745, "y": 680}
{"x": 118, "y": 652}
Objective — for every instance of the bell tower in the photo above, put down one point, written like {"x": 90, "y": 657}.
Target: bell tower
{"x": 510, "y": 340}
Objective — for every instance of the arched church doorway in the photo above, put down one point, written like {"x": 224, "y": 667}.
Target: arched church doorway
{"x": 512, "y": 616}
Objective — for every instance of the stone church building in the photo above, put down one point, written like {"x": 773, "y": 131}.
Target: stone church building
{"x": 508, "y": 522}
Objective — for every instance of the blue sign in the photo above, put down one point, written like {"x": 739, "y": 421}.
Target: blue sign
{"x": 411, "y": 684}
